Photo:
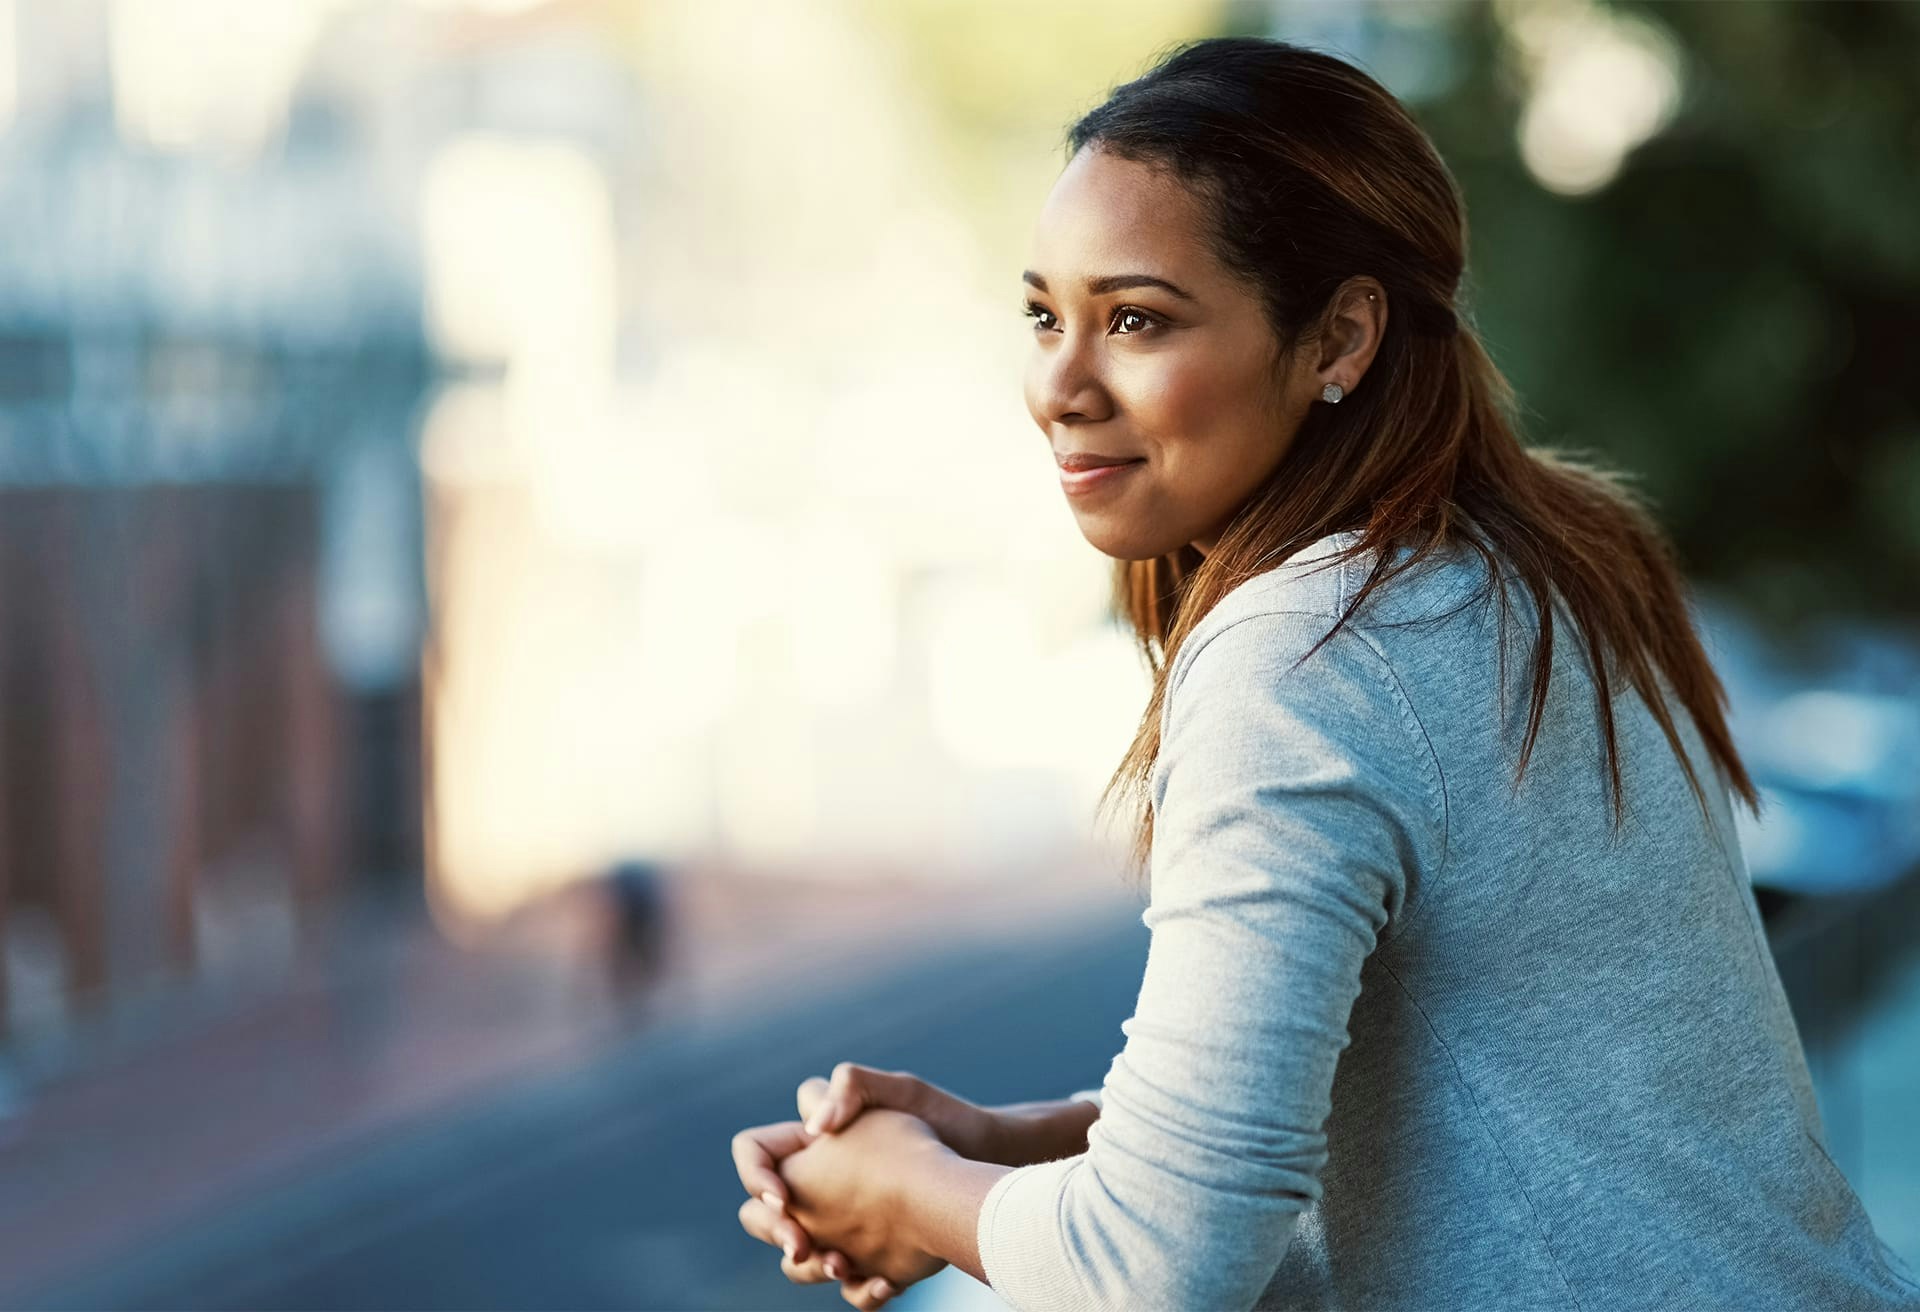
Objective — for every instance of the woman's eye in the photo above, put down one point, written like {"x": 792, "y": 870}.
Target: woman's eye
{"x": 1126, "y": 314}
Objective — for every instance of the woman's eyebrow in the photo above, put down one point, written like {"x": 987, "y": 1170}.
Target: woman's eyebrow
{"x": 1112, "y": 282}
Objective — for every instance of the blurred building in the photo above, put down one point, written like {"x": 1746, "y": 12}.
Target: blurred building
{"x": 210, "y": 370}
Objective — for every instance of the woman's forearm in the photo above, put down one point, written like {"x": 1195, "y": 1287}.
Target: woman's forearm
{"x": 1028, "y": 1132}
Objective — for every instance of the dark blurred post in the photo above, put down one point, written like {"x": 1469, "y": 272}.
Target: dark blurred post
{"x": 639, "y": 927}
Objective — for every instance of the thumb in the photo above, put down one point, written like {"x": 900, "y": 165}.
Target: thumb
{"x": 855, "y": 1087}
{"x": 811, "y": 1094}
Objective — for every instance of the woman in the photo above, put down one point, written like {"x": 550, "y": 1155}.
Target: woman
{"x": 1440, "y": 1010}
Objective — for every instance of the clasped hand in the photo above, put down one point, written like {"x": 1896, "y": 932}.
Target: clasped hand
{"x": 827, "y": 1187}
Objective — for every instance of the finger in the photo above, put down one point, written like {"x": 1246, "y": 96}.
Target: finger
{"x": 809, "y": 1272}
{"x": 841, "y": 1102}
{"x": 811, "y": 1093}
{"x": 867, "y": 1295}
{"x": 854, "y": 1087}
{"x": 776, "y": 1228}
{"x": 756, "y": 1155}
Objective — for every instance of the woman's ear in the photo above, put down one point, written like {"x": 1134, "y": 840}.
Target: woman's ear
{"x": 1355, "y": 324}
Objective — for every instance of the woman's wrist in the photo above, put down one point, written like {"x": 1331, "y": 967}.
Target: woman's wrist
{"x": 937, "y": 1201}
{"x": 1019, "y": 1134}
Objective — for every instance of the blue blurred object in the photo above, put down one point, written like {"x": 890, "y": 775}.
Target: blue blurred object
{"x": 1833, "y": 742}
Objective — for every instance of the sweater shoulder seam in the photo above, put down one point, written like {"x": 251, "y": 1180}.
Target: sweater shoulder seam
{"x": 1438, "y": 806}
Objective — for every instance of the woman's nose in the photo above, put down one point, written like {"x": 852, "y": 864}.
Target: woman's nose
{"x": 1066, "y": 386}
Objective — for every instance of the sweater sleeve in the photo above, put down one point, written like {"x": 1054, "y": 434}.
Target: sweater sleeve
{"x": 1294, "y": 810}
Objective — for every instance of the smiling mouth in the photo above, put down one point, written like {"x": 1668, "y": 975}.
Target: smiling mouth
{"x": 1079, "y": 482}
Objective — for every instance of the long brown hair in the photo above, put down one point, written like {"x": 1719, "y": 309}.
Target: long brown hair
{"x": 1312, "y": 173}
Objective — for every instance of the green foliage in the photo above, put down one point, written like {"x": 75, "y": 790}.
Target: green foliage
{"x": 1735, "y": 318}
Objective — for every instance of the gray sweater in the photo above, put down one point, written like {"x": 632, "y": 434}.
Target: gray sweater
{"x": 1408, "y": 1038}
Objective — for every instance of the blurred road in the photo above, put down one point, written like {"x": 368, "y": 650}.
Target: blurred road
{"x": 600, "y": 1177}
{"x": 610, "y": 1185}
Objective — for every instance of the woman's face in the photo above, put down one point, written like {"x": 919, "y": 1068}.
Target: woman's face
{"x": 1147, "y": 350}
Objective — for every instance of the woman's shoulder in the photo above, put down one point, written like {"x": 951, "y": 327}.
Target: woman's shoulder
{"x": 1263, "y": 682}
{"x": 1323, "y": 578}
{"x": 1286, "y": 605}
{"x": 1310, "y": 581}
{"x": 1423, "y": 623}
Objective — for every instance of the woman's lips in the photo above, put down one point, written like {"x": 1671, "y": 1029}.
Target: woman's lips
{"x": 1079, "y": 482}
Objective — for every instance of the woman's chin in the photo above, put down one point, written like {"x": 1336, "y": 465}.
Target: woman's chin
{"x": 1123, "y": 542}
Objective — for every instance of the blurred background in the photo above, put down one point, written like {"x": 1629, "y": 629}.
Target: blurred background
{"x": 536, "y": 617}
